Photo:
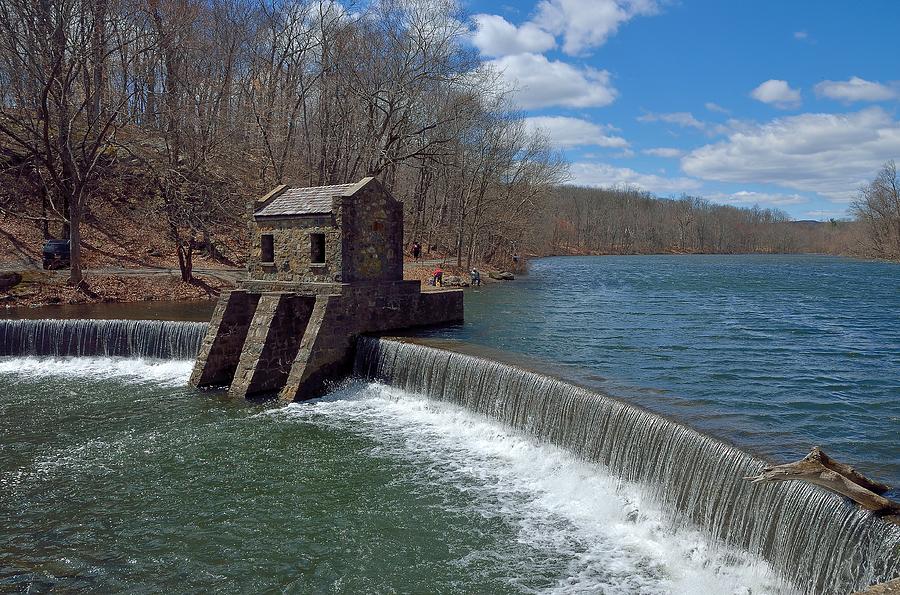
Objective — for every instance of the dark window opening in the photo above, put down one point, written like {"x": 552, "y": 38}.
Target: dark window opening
{"x": 267, "y": 248}
{"x": 317, "y": 248}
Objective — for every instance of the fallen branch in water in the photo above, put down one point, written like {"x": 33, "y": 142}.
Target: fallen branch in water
{"x": 888, "y": 588}
{"x": 818, "y": 468}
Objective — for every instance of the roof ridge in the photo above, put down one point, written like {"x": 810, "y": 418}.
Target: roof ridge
{"x": 304, "y": 200}
{"x": 325, "y": 186}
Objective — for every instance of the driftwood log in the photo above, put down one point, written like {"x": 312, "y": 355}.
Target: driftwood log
{"x": 818, "y": 468}
{"x": 888, "y": 588}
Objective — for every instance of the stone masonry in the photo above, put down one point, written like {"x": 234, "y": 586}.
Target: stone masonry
{"x": 293, "y": 325}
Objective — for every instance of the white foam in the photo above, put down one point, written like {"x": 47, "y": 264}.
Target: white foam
{"x": 133, "y": 371}
{"x": 611, "y": 538}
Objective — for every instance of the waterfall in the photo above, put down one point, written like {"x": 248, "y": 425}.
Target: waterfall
{"x": 816, "y": 539}
{"x": 126, "y": 338}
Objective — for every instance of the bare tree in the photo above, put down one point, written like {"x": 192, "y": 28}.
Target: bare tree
{"x": 878, "y": 208}
{"x": 56, "y": 107}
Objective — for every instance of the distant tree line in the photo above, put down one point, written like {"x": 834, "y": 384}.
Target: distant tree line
{"x": 629, "y": 221}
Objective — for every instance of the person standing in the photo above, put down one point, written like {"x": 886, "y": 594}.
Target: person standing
{"x": 476, "y": 278}
{"x": 438, "y": 277}
{"x": 417, "y": 251}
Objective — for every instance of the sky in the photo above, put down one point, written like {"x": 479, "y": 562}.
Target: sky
{"x": 790, "y": 104}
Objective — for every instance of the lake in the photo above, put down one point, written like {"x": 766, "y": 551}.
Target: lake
{"x": 774, "y": 353}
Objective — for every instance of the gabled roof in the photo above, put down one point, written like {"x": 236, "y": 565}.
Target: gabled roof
{"x": 316, "y": 200}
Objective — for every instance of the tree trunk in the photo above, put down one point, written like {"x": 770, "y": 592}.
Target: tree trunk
{"x": 76, "y": 275}
{"x": 186, "y": 260}
{"x": 45, "y": 221}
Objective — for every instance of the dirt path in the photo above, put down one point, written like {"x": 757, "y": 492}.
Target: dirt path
{"x": 226, "y": 274}
{"x": 233, "y": 273}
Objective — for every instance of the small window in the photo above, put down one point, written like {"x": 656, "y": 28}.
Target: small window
{"x": 317, "y": 248}
{"x": 267, "y": 248}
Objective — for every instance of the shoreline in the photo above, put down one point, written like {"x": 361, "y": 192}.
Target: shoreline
{"x": 37, "y": 289}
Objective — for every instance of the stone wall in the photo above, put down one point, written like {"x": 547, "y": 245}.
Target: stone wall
{"x": 327, "y": 348}
{"x": 221, "y": 349}
{"x": 292, "y": 249}
{"x": 296, "y": 343}
{"x": 373, "y": 235}
{"x": 271, "y": 344}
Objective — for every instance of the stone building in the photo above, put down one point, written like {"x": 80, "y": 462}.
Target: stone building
{"x": 328, "y": 234}
{"x": 325, "y": 265}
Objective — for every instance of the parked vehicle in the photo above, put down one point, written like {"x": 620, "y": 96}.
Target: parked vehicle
{"x": 56, "y": 254}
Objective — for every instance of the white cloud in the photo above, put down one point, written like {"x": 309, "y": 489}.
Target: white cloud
{"x": 495, "y": 36}
{"x": 831, "y": 154}
{"x": 687, "y": 120}
{"x": 715, "y": 107}
{"x": 605, "y": 175}
{"x": 664, "y": 152}
{"x": 683, "y": 119}
{"x": 856, "y": 89}
{"x": 586, "y": 24}
{"x": 538, "y": 82}
{"x": 574, "y": 132}
{"x": 778, "y": 93}
{"x": 801, "y": 35}
{"x": 746, "y": 197}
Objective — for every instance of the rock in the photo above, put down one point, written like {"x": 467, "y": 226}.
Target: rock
{"x": 504, "y": 276}
{"x": 454, "y": 281}
{"x": 9, "y": 280}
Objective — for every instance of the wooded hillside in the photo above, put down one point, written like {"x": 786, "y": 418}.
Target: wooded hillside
{"x": 183, "y": 111}
{"x": 601, "y": 221}
{"x": 199, "y": 106}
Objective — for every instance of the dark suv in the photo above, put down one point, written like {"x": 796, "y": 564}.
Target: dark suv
{"x": 56, "y": 254}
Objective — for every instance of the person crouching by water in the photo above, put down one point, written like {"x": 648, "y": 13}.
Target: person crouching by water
{"x": 417, "y": 250}
{"x": 437, "y": 278}
{"x": 476, "y": 278}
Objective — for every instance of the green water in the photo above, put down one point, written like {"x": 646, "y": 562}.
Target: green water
{"x": 113, "y": 478}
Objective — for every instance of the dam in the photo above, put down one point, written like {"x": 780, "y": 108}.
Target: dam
{"x": 806, "y": 540}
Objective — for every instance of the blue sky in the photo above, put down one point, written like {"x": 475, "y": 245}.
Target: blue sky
{"x": 787, "y": 104}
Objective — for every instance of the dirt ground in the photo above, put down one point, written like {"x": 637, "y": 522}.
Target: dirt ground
{"x": 115, "y": 236}
{"x": 134, "y": 260}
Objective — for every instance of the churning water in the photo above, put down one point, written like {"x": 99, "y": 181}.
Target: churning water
{"x": 116, "y": 478}
{"x": 821, "y": 543}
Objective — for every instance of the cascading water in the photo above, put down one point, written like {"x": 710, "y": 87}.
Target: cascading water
{"x": 820, "y": 542}
{"x": 119, "y": 338}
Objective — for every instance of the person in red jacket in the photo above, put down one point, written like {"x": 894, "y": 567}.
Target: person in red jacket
{"x": 437, "y": 277}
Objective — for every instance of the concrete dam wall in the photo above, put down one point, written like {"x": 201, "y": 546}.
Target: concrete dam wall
{"x": 820, "y": 542}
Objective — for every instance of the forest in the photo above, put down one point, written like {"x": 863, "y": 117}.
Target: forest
{"x": 193, "y": 108}
{"x": 615, "y": 221}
